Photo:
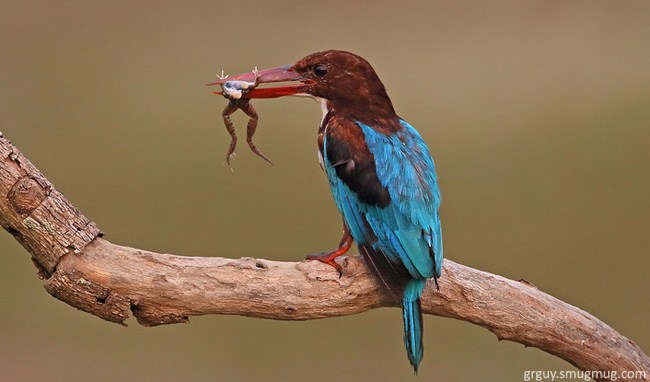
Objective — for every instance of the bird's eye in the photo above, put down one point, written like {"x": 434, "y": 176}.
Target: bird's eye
{"x": 320, "y": 70}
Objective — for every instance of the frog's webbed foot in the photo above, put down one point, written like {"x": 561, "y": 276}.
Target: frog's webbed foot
{"x": 256, "y": 82}
{"x": 222, "y": 76}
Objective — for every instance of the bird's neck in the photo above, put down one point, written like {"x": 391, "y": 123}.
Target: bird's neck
{"x": 376, "y": 112}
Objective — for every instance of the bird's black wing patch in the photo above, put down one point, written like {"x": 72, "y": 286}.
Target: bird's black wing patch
{"x": 348, "y": 153}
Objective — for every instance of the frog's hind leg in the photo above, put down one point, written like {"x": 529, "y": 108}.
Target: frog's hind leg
{"x": 250, "y": 129}
{"x": 230, "y": 108}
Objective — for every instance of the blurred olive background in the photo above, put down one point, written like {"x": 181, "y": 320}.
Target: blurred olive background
{"x": 537, "y": 114}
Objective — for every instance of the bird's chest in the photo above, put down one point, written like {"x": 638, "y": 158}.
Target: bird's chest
{"x": 321, "y": 148}
{"x": 322, "y": 130}
{"x": 326, "y": 165}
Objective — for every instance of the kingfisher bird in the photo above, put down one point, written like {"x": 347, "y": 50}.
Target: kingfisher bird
{"x": 380, "y": 172}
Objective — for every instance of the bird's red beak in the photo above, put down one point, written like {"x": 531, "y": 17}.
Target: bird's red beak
{"x": 279, "y": 74}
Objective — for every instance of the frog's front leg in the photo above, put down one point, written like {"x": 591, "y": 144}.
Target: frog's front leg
{"x": 230, "y": 108}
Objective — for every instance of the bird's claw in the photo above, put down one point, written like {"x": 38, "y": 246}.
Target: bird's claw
{"x": 327, "y": 258}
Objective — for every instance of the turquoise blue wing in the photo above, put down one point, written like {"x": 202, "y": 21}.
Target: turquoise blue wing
{"x": 411, "y": 223}
{"x": 386, "y": 189}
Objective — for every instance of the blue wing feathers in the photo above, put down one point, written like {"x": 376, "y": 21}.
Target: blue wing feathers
{"x": 409, "y": 226}
{"x": 404, "y": 166}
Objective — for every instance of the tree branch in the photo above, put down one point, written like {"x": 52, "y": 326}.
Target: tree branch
{"x": 112, "y": 282}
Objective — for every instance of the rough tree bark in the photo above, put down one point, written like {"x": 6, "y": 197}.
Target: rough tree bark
{"x": 113, "y": 282}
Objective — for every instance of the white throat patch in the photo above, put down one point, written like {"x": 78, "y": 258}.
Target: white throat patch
{"x": 323, "y": 107}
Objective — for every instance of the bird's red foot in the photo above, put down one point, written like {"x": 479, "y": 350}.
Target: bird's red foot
{"x": 329, "y": 259}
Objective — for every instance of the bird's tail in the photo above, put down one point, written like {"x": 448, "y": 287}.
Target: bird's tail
{"x": 413, "y": 321}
